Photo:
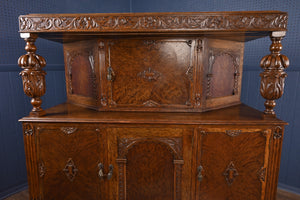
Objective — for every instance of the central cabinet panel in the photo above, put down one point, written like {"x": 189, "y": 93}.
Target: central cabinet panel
{"x": 148, "y": 72}
{"x": 152, "y": 163}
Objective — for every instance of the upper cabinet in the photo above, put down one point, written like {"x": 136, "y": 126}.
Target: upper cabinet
{"x": 154, "y": 74}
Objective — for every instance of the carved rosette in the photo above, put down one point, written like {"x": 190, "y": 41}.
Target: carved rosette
{"x": 273, "y": 76}
{"x": 33, "y": 76}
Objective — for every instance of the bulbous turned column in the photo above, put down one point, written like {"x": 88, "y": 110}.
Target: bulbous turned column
{"x": 273, "y": 76}
{"x": 33, "y": 76}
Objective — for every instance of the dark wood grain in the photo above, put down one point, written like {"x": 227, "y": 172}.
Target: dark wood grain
{"x": 237, "y": 161}
{"x": 168, "y": 68}
{"x": 64, "y": 146}
{"x": 150, "y": 172}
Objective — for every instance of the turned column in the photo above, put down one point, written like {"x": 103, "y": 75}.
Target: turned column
{"x": 33, "y": 76}
{"x": 272, "y": 78}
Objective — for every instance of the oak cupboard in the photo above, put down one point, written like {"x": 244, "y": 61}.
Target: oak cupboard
{"x": 153, "y": 109}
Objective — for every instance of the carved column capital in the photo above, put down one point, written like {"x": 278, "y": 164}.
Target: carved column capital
{"x": 33, "y": 76}
{"x": 273, "y": 76}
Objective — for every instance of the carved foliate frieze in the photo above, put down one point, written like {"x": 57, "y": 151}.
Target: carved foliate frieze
{"x": 137, "y": 22}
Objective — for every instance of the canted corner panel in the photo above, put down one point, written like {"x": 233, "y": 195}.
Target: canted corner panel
{"x": 81, "y": 72}
{"x": 223, "y": 73}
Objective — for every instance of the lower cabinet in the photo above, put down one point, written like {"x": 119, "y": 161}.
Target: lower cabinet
{"x": 188, "y": 162}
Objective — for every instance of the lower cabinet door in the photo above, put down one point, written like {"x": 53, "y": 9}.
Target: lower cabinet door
{"x": 152, "y": 163}
{"x": 232, "y": 163}
{"x": 70, "y": 158}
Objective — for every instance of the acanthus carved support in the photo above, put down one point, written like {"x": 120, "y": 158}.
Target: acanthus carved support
{"x": 33, "y": 76}
{"x": 273, "y": 76}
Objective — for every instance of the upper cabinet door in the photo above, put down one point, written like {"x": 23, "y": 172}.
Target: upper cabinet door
{"x": 152, "y": 163}
{"x": 232, "y": 163}
{"x": 222, "y": 73}
{"x": 148, "y": 74}
{"x": 69, "y": 160}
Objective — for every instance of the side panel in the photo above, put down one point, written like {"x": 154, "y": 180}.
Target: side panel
{"x": 222, "y": 73}
{"x": 81, "y": 68}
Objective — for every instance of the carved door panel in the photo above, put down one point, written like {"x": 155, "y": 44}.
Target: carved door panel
{"x": 69, "y": 158}
{"x": 148, "y": 74}
{"x": 232, "y": 163}
{"x": 152, "y": 163}
{"x": 224, "y": 62}
{"x": 81, "y": 73}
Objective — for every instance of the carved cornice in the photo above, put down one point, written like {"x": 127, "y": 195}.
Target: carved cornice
{"x": 152, "y": 22}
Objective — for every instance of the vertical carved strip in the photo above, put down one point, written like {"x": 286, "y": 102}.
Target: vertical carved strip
{"x": 209, "y": 75}
{"x": 273, "y": 76}
{"x": 236, "y": 75}
{"x": 262, "y": 173}
{"x": 103, "y": 95}
{"x": 33, "y": 76}
{"x": 122, "y": 178}
{"x": 198, "y": 70}
{"x": 273, "y": 166}
{"x": 31, "y": 160}
{"x": 177, "y": 178}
